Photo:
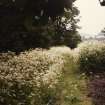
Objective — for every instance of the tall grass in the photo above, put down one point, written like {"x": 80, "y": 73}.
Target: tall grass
{"x": 34, "y": 77}
{"x": 43, "y": 77}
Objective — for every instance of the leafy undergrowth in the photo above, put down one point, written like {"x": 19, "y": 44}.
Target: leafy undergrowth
{"x": 42, "y": 77}
{"x": 92, "y": 57}
{"x": 91, "y": 60}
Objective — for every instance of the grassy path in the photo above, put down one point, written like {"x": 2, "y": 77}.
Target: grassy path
{"x": 75, "y": 87}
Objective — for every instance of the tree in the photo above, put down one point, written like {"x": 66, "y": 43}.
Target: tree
{"x": 35, "y": 23}
{"x": 102, "y": 2}
{"x": 103, "y": 31}
{"x": 22, "y": 12}
{"x": 66, "y": 29}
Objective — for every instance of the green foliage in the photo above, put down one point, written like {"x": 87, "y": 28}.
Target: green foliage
{"x": 92, "y": 56}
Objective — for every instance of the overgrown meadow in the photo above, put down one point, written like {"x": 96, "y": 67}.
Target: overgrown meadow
{"x": 58, "y": 76}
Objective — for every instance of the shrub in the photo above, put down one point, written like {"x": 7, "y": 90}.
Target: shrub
{"x": 92, "y": 56}
{"x": 31, "y": 78}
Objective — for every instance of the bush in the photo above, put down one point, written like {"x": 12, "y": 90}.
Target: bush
{"x": 92, "y": 56}
{"x": 31, "y": 78}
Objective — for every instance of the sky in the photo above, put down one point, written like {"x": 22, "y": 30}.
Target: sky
{"x": 92, "y": 15}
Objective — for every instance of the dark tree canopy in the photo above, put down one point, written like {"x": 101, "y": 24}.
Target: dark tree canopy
{"x": 50, "y": 8}
{"x": 24, "y": 12}
{"x": 28, "y": 24}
